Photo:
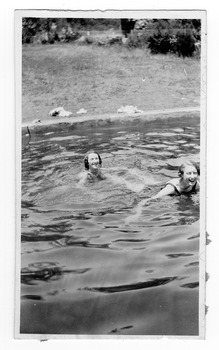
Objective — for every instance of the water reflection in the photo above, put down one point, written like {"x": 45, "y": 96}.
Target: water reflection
{"x": 46, "y": 271}
{"x": 140, "y": 285}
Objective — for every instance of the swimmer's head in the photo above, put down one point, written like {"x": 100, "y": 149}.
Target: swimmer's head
{"x": 186, "y": 165}
{"x": 92, "y": 159}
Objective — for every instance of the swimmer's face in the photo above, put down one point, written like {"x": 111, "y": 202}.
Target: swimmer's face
{"x": 190, "y": 175}
{"x": 93, "y": 161}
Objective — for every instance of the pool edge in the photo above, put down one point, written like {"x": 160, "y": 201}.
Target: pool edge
{"x": 148, "y": 115}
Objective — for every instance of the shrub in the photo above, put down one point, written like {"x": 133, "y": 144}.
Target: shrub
{"x": 180, "y": 41}
{"x": 169, "y": 35}
{"x": 30, "y": 26}
{"x": 160, "y": 43}
{"x": 185, "y": 44}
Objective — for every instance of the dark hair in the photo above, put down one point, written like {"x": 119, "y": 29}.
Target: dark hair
{"x": 182, "y": 168}
{"x": 86, "y": 164}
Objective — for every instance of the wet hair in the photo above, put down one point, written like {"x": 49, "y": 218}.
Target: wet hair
{"x": 86, "y": 164}
{"x": 189, "y": 163}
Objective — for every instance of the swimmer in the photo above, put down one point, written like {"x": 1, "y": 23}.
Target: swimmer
{"x": 186, "y": 183}
{"x": 92, "y": 164}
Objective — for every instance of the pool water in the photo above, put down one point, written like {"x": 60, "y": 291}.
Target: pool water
{"x": 91, "y": 263}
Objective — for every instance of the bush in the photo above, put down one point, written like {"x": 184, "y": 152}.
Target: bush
{"x": 160, "y": 43}
{"x": 174, "y": 37}
{"x": 182, "y": 43}
{"x": 185, "y": 44}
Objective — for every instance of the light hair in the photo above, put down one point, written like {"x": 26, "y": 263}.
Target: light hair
{"x": 187, "y": 163}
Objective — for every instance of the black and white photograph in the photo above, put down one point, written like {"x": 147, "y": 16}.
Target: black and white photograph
{"x": 111, "y": 174}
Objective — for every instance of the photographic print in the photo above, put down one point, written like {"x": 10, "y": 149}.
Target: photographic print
{"x": 110, "y": 112}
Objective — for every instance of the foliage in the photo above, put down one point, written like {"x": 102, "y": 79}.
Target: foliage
{"x": 49, "y": 30}
{"x": 160, "y": 43}
{"x": 178, "y": 36}
{"x": 164, "y": 36}
{"x": 185, "y": 44}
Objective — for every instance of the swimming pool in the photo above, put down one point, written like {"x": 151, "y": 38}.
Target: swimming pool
{"x": 89, "y": 264}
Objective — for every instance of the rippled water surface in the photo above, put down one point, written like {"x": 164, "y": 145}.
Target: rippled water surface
{"x": 91, "y": 263}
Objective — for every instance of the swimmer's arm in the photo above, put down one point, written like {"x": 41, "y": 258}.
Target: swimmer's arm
{"x": 82, "y": 178}
{"x": 167, "y": 190}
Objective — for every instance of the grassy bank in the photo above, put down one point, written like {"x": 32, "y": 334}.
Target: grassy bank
{"x": 102, "y": 79}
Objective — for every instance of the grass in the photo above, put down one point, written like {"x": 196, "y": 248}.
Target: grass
{"x": 102, "y": 79}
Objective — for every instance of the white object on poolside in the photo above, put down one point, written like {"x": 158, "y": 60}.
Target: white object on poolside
{"x": 129, "y": 109}
{"x": 59, "y": 112}
{"x": 36, "y": 121}
{"x": 81, "y": 111}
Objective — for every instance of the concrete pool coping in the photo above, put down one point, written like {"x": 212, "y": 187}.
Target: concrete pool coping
{"x": 147, "y": 115}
